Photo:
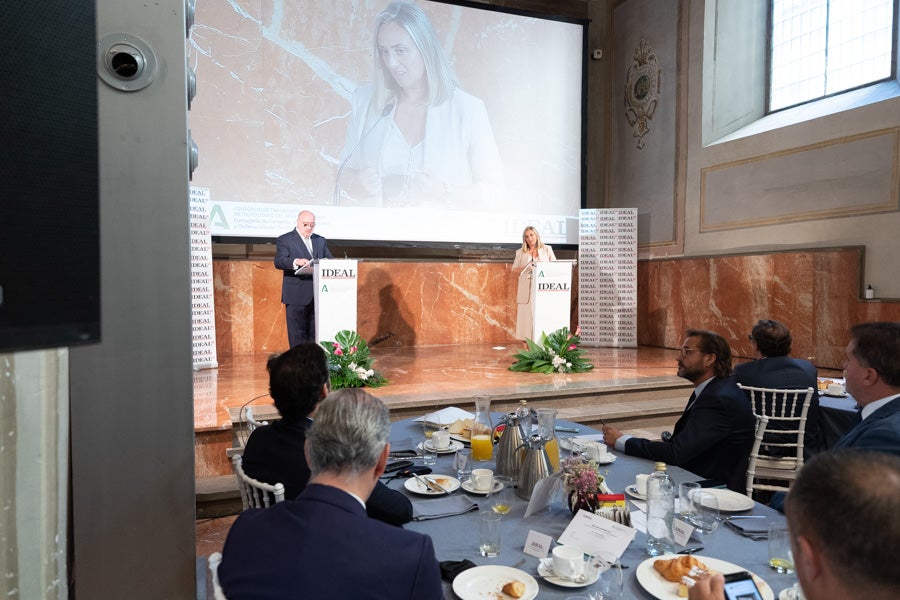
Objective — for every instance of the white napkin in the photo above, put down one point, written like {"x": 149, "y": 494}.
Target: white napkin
{"x": 446, "y": 416}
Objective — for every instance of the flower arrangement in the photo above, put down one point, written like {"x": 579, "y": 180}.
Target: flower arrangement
{"x": 349, "y": 362}
{"x": 582, "y": 482}
{"x": 557, "y": 353}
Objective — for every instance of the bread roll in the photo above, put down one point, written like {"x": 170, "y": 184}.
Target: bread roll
{"x": 514, "y": 588}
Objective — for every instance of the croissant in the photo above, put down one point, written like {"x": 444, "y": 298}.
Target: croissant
{"x": 676, "y": 568}
{"x": 514, "y": 588}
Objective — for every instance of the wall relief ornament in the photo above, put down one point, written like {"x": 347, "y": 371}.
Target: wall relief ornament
{"x": 642, "y": 91}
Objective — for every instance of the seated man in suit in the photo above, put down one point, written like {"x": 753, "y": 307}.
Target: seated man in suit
{"x": 872, "y": 365}
{"x": 773, "y": 368}
{"x": 322, "y": 544}
{"x": 714, "y": 435}
{"x": 298, "y": 381}
{"x": 842, "y": 514}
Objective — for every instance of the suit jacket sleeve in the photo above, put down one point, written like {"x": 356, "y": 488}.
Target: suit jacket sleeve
{"x": 427, "y": 582}
{"x": 283, "y": 258}
{"x": 708, "y": 423}
{"x": 389, "y": 505}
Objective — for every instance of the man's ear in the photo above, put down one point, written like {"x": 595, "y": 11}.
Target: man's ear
{"x": 382, "y": 460}
{"x": 808, "y": 560}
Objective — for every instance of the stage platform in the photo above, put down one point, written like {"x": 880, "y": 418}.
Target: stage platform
{"x": 633, "y": 388}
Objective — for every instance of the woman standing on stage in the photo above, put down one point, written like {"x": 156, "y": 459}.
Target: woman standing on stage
{"x": 533, "y": 250}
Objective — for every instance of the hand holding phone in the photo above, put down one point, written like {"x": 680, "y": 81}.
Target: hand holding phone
{"x": 740, "y": 586}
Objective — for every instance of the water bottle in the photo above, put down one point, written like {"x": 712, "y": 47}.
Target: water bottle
{"x": 523, "y": 414}
{"x": 660, "y": 512}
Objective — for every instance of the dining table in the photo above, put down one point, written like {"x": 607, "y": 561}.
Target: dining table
{"x": 456, "y": 537}
{"x": 837, "y": 413}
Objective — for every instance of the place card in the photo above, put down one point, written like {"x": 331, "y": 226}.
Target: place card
{"x": 537, "y": 544}
{"x": 595, "y": 534}
{"x": 682, "y": 531}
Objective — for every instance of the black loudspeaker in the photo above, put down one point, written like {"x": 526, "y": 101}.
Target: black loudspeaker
{"x": 49, "y": 202}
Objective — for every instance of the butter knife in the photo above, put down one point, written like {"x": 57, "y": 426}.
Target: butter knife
{"x": 429, "y": 485}
{"x": 434, "y": 484}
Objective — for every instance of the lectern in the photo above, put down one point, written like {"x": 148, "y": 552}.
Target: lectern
{"x": 551, "y": 293}
{"x": 335, "y": 296}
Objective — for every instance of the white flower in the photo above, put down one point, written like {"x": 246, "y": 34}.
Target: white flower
{"x": 352, "y": 366}
{"x": 557, "y": 361}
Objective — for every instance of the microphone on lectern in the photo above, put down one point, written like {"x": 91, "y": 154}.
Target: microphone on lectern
{"x": 337, "y": 180}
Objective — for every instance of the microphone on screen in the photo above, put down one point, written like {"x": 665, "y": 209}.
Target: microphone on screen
{"x": 337, "y": 180}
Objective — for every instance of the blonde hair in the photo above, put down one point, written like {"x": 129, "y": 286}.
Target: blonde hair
{"x": 540, "y": 242}
{"x": 441, "y": 78}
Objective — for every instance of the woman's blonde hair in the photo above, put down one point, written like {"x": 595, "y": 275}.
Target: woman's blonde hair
{"x": 441, "y": 78}
{"x": 540, "y": 242}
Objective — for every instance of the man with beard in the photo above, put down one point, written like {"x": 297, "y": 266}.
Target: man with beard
{"x": 714, "y": 435}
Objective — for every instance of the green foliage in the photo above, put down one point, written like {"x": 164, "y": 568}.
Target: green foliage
{"x": 349, "y": 362}
{"x": 557, "y": 353}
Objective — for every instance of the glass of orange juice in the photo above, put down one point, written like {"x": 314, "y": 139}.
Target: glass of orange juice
{"x": 482, "y": 447}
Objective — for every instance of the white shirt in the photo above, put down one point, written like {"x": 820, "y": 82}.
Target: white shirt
{"x": 871, "y": 407}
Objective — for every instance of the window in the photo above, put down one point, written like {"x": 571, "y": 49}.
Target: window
{"x": 823, "y": 47}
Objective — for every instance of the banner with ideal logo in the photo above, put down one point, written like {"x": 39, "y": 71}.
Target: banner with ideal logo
{"x": 203, "y": 319}
{"x": 551, "y": 288}
{"x": 335, "y": 283}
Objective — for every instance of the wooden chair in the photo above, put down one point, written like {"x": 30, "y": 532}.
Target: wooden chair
{"x": 787, "y": 409}
{"x": 249, "y": 424}
{"x": 255, "y": 494}
{"x": 214, "y": 559}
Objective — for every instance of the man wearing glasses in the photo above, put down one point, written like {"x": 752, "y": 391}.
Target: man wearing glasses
{"x": 714, "y": 435}
{"x": 294, "y": 253}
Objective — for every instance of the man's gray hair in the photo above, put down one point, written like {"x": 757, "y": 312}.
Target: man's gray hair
{"x": 349, "y": 432}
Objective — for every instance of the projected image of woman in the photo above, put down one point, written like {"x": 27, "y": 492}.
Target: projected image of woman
{"x": 533, "y": 250}
{"x": 415, "y": 138}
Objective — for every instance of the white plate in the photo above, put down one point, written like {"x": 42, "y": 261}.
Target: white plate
{"x": 459, "y": 438}
{"x": 416, "y": 487}
{"x": 663, "y": 589}
{"x": 631, "y": 490}
{"x": 568, "y": 443}
{"x": 827, "y": 393}
{"x": 609, "y": 459}
{"x": 453, "y": 447}
{"x": 467, "y": 486}
{"x": 730, "y": 501}
{"x": 485, "y": 583}
{"x": 548, "y": 576}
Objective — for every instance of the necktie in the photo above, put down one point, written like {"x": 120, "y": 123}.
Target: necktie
{"x": 690, "y": 401}
{"x": 308, "y": 242}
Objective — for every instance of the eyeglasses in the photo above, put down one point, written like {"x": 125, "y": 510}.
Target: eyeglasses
{"x": 686, "y": 351}
{"x": 310, "y": 224}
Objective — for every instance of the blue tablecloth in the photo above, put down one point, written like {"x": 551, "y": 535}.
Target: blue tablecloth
{"x": 456, "y": 537}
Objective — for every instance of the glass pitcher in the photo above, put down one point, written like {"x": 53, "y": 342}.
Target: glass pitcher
{"x": 482, "y": 444}
{"x": 547, "y": 430}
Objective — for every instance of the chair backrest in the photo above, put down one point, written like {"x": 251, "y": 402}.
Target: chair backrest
{"x": 255, "y": 494}
{"x": 786, "y": 412}
{"x": 250, "y": 423}
{"x": 214, "y": 559}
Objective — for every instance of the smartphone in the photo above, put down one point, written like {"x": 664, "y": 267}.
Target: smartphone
{"x": 740, "y": 586}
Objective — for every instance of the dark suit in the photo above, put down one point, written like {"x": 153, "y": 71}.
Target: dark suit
{"x": 786, "y": 373}
{"x": 297, "y": 290}
{"x": 322, "y": 545}
{"x": 274, "y": 454}
{"x": 879, "y": 431}
{"x": 712, "y": 438}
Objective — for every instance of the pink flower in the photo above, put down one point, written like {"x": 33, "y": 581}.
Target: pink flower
{"x": 338, "y": 351}
{"x": 352, "y": 349}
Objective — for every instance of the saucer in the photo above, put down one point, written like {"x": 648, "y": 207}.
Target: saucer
{"x": 607, "y": 459}
{"x": 453, "y": 447}
{"x": 547, "y": 573}
{"x": 631, "y": 490}
{"x": 467, "y": 486}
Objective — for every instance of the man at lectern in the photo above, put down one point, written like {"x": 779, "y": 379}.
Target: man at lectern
{"x": 294, "y": 253}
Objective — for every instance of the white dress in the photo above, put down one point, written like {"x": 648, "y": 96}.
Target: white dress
{"x": 524, "y": 316}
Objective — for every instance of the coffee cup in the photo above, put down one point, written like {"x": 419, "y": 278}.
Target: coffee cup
{"x": 835, "y": 389}
{"x": 568, "y": 562}
{"x": 640, "y": 483}
{"x": 440, "y": 439}
{"x": 596, "y": 450}
{"x": 482, "y": 479}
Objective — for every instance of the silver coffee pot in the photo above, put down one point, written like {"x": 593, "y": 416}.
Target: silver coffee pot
{"x": 535, "y": 466}
{"x": 510, "y": 451}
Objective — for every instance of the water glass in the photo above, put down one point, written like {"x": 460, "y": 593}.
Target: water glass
{"x": 686, "y": 504}
{"x": 463, "y": 465}
{"x": 501, "y": 495}
{"x": 611, "y": 584}
{"x": 706, "y": 512}
{"x": 781, "y": 558}
{"x": 489, "y": 534}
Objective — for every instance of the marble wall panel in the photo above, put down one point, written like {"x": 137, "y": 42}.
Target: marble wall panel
{"x": 815, "y": 292}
